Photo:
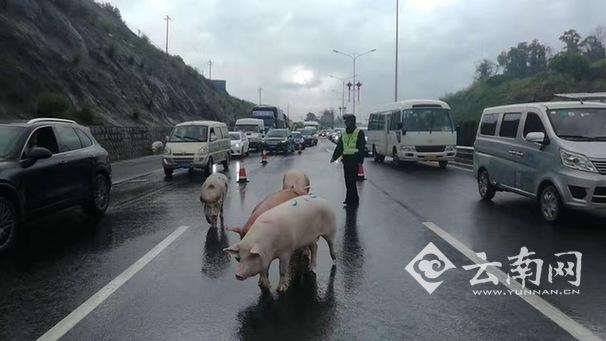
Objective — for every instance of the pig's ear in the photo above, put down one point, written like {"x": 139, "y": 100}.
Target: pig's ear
{"x": 255, "y": 250}
{"x": 233, "y": 249}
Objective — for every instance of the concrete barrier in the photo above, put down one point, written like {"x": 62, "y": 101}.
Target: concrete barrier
{"x": 128, "y": 142}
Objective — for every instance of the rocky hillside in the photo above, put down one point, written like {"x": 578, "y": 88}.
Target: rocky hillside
{"x": 77, "y": 59}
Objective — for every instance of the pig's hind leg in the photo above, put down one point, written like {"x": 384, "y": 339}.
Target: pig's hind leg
{"x": 313, "y": 248}
{"x": 330, "y": 240}
{"x": 284, "y": 277}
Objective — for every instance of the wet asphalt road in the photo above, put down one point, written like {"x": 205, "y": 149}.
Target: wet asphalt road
{"x": 188, "y": 292}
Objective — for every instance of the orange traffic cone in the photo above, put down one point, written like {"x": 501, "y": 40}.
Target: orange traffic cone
{"x": 361, "y": 175}
{"x": 263, "y": 156}
{"x": 242, "y": 176}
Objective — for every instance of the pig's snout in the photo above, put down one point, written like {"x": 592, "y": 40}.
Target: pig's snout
{"x": 240, "y": 277}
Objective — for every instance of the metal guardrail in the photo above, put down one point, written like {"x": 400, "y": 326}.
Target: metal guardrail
{"x": 465, "y": 155}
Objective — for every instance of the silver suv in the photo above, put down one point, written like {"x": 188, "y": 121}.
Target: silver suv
{"x": 554, "y": 152}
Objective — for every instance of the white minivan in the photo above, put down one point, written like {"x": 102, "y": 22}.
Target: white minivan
{"x": 197, "y": 144}
{"x": 254, "y": 129}
{"x": 412, "y": 130}
{"x": 554, "y": 152}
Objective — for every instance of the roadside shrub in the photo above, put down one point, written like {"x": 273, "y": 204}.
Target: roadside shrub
{"x": 52, "y": 104}
{"x": 84, "y": 115}
{"x": 570, "y": 63}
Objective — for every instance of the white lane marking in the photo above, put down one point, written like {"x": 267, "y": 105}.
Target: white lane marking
{"x": 564, "y": 321}
{"x": 94, "y": 301}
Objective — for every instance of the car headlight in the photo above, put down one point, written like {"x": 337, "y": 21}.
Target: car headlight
{"x": 166, "y": 150}
{"x": 451, "y": 148}
{"x": 577, "y": 161}
{"x": 237, "y": 145}
{"x": 408, "y": 148}
{"x": 203, "y": 150}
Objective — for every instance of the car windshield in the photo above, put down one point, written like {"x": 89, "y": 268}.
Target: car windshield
{"x": 234, "y": 136}
{"x": 582, "y": 124}
{"x": 248, "y": 128}
{"x": 307, "y": 132}
{"x": 427, "y": 119}
{"x": 296, "y": 134}
{"x": 8, "y": 139}
{"x": 277, "y": 133}
{"x": 191, "y": 133}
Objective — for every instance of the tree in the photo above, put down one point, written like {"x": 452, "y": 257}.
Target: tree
{"x": 328, "y": 118}
{"x": 593, "y": 48}
{"x": 311, "y": 117}
{"x": 485, "y": 69}
{"x": 572, "y": 40}
{"x": 570, "y": 63}
{"x": 537, "y": 57}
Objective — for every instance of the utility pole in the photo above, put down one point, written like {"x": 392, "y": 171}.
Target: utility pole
{"x": 260, "y": 90}
{"x": 167, "y": 21}
{"x": 397, "y": 29}
{"x": 210, "y": 69}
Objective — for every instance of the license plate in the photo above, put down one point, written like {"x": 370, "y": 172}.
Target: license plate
{"x": 431, "y": 158}
{"x": 183, "y": 164}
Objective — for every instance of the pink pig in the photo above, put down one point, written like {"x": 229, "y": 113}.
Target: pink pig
{"x": 296, "y": 179}
{"x": 277, "y": 233}
{"x": 269, "y": 202}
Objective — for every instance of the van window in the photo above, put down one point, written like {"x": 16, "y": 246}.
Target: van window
{"x": 45, "y": 138}
{"x": 510, "y": 124}
{"x": 533, "y": 124}
{"x": 189, "y": 133}
{"x": 86, "y": 141}
{"x": 488, "y": 126}
{"x": 396, "y": 118}
{"x": 225, "y": 132}
{"x": 376, "y": 122}
{"x": 213, "y": 135}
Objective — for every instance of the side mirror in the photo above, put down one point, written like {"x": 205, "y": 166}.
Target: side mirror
{"x": 537, "y": 137}
{"x": 38, "y": 153}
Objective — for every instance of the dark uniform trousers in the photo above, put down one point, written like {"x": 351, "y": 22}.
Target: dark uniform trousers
{"x": 350, "y": 168}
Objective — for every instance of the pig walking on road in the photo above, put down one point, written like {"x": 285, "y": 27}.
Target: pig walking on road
{"x": 268, "y": 203}
{"x": 280, "y": 231}
{"x": 214, "y": 190}
{"x": 296, "y": 179}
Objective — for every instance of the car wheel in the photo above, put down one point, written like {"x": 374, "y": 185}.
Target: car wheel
{"x": 99, "y": 200}
{"x": 486, "y": 189}
{"x": 443, "y": 164}
{"x": 395, "y": 157}
{"x": 168, "y": 172}
{"x": 551, "y": 204}
{"x": 9, "y": 223}
{"x": 209, "y": 166}
{"x": 226, "y": 162}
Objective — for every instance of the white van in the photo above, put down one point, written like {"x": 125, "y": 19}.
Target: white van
{"x": 413, "y": 130}
{"x": 197, "y": 144}
{"x": 253, "y": 128}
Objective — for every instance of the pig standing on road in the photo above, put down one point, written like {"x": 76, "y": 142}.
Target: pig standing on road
{"x": 277, "y": 233}
{"x": 296, "y": 179}
{"x": 214, "y": 190}
{"x": 268, "y": 203}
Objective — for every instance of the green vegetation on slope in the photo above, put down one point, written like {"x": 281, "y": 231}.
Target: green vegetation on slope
{"x": 528, "y": 74}
{"x": 77, "y": 59}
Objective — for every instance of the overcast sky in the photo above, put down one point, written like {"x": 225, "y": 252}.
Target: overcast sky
{"x": 285, "y": 47}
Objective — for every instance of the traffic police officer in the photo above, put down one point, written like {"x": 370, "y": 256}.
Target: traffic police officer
{"x": 351, "y": 146}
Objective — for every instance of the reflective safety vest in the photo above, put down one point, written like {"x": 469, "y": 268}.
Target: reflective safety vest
{"x": 350, "y": 141}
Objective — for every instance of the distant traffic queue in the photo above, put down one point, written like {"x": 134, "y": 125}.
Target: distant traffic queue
{"x": 272, "y": 116}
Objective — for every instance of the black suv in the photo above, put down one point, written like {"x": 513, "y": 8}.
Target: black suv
{"x": 47, "y": 165}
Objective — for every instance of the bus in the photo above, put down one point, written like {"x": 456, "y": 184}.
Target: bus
{"x": 312, "y": 124}
{"x": 413, "y": 130}
{"x": 272, "y": 116}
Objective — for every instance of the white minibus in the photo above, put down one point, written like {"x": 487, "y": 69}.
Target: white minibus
{"x": 412, "y": 130}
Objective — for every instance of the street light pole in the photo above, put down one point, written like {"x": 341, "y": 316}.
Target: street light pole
{"x": 397, "y": 31}
{"x": 342, "y": 108}
{"x": 353, "y": 57}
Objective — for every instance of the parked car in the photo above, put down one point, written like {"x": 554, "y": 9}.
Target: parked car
{"x": 334, "y": 137}
{"x": 279, "y": 140}
{"x": 554, "y": 152}
{"x": 298, "y": 139}
{"x": 47, "y": 165}
{"x": 254, "y": 129}
{"x": 197, "y": 144}
{"x": 310, "y": 137}
{"x": 239, "y": 143}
